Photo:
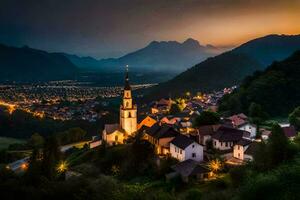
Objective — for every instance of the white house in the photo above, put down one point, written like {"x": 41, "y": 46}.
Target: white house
{"x": 245, "y": 150}
{"x": 240, "y": 148}
{"x": 225, "y": 138}
{"x": 251, "y": 128}
{"x": 184, "y": 148}
{"x": 241, "y": 122}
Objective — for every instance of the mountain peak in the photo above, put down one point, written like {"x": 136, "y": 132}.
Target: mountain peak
{"x": 191, "y": 41}
{"x": 153, "y": 43}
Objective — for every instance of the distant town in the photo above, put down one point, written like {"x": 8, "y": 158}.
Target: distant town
{"x": 61, "y": 100}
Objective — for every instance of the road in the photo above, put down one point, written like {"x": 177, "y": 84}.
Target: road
{"x": 22, "y": 164}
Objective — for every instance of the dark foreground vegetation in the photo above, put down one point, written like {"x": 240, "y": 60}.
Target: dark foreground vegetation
{"x": 21, "y": 124}
{"x": 131, "y": 171}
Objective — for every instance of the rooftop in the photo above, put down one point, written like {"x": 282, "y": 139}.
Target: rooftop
{"x": 182, "y": 141}
{"x": 189, "y": 167}
{"x": 227, "y": 134}
{"x": 110, "y": 128}
{"x": 161, "y": 131}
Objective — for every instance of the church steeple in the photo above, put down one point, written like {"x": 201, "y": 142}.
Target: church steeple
{"x": 127, "y": 85}
{"x": 128, "y": 111}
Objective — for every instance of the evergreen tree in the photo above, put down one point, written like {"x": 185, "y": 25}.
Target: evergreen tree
{"x": 294, "y": 118}
{"x": 278, "y": 146}
{"x": 36, "y": 141}
{"x": 261, "y": 157}
{"x": 51, "y": 157}
{"x": 33, "y": 174}
{"x": 257, "y": 116}
{"x": 175, "y": 108}
{"x": 207, "y": 118}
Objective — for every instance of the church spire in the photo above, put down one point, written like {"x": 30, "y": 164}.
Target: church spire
{"x": 127, "y": 85}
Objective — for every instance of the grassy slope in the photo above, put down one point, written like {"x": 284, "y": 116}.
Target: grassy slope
{"x": 6, "y": 141}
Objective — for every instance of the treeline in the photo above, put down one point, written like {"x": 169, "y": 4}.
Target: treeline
{"x": 21, "y": 124}
{"x": 108, "y": 178}
{"x": 276, "y": 90}
{"x": 122, "y": 172}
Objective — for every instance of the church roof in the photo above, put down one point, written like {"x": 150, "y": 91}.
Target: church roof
{"x": 110, "y": 128}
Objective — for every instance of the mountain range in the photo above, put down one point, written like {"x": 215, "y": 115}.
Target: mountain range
{"x": 26, "y": 65}
{"x": 164, "y": 56}
{"x": 229, "y": 68}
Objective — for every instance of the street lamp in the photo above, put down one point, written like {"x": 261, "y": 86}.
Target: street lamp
{"x": 62, "y": 166}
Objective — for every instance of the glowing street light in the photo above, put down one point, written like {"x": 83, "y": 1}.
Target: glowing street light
{"x": 62, "y": 166}
{"x": 24, "y": 166}
{"x": 215, "y": 165}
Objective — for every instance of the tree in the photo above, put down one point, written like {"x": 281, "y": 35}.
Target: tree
{"x": 51, "y": 157}
{"x": 71, "y": 135}
{"x": 279, "y": 147}
{"x": 36, "y": 141}
{"x": 294, "y": 118}
{"x": 175, "y": 108}
{"x": 33, "y": 174}
{"x": 207, "y": 118}
{"x": 261, "y": 157}
{"x": 141, "y": 158}
{"x": 257, "y": 116}
{"x": 193, "y": 194}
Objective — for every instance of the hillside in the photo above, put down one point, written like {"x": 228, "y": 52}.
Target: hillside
{"x": 27, "y": 64}
{"x": 277, "y": 89}
{"x": 230, "y": 68}
{"x": 170, "y": 56}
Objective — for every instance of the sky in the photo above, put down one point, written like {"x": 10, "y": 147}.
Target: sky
{"x": 112, "y": 28}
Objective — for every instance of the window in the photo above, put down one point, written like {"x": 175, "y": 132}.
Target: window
{"x": 226, "y": 144}
{"x": 180, "y": 151}
{"x": 215, "y": 143}
{"x": 194, "y": 155}
{"x": 193, "y": 146}
{"x": 129, "y": 114}
{"x": 127, "y": 104}
{"x": 238, "y": 147}
{"x": 116, "y": 138}
{"x": 239, "y": 155}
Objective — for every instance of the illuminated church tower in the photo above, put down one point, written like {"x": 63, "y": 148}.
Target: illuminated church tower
{"x": 128, "y": 111}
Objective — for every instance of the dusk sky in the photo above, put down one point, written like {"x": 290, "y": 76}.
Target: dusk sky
{"x": 114, "y": 27}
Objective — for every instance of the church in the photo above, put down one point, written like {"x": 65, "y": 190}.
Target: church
{"x": 117, "y": 133}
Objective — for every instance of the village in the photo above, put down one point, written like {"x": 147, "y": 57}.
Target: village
{"x": 186, "y": 129}
{"x": 200, "y": 147}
